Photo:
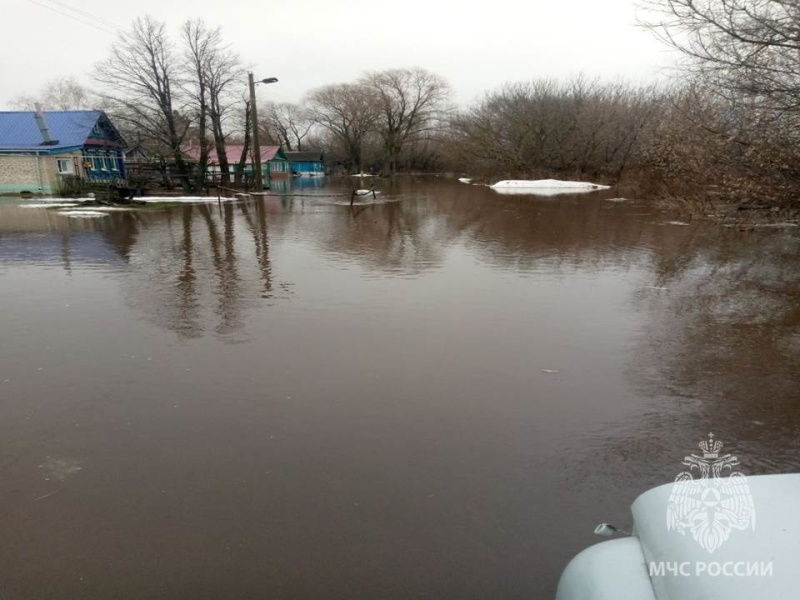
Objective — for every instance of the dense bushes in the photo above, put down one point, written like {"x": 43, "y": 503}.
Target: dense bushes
{"x": 545, "y": 127}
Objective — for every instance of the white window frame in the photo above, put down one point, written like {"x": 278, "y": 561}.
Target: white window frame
{"x": 67, "y": 163}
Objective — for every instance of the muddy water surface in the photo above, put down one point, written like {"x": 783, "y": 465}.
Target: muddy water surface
{"x": 435, "y": 396}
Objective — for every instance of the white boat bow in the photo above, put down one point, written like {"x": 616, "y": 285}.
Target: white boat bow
{"x": 659, "y": 562}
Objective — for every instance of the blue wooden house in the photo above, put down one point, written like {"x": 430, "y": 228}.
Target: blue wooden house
{"x": 306, "y": 164}
{"x": 39, "y": 149}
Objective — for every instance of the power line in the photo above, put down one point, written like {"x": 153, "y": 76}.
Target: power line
{"x": 104, "y": 22}
{"x": 73, "y": 17}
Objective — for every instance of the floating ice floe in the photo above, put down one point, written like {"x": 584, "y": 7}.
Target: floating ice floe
{"x": 186, "y": 199}
{"x": 51, "y": 200}
{"x": 49, "y": 205}
{"x": 111, "y": 208}
{"x": 787, "y": 224}
{"x": 465, "y": 180}
{"x": 545, "y": 187}
{"x": 82, "y": 214}
{"x": 675, "y": 223}
{"x": 365, "y": 192}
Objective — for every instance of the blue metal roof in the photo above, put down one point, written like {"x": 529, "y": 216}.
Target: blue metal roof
{"x": 19, "y": 130}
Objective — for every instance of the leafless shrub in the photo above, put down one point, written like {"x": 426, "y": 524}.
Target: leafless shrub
{"x": 581, "y": 127}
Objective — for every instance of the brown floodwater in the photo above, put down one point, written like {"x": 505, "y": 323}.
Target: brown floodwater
{"x": 438, "y": 395}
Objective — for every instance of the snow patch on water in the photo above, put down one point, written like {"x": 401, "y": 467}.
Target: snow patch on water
{"x": 547, "y": 184}
{"x": 84, "y": 214}
{"x": 545, "y": 187}
{"x": 187, "y": 199}
{"x": 112, "y": 208}
{"x": 49, "y": 205}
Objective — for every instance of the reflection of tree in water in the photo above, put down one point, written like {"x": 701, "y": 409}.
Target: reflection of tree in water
{"x": 520, "y": 233}
{"x": 721, "y": 343}
{"x": 726, "y": 332}
{"x": 385, "y": 238}
{"x": 720, "y": 352}
{"x": 225, "y": 270}
{"x": 201, "y": 271}
{"x": 123, "y": 231}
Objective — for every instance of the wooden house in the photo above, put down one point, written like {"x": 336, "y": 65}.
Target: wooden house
{"x": 306, "y": 164}
{"x": 40, "y": 149}
{"x": 274, "y": 164}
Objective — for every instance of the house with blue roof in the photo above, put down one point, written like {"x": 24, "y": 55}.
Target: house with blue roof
{"x": 39, "y": 149}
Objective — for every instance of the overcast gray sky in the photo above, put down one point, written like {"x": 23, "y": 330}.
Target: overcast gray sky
{"x": 475, "y": 45}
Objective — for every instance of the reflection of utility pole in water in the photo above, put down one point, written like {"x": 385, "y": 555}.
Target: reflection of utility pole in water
{"x": 187, "y": 293}
{"x": 261, "y": 241}
{"x": 229, "y": 301}
{"x": 66, "y": 251}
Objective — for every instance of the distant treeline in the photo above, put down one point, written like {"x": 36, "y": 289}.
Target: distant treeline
{"x": 725, "y": 130}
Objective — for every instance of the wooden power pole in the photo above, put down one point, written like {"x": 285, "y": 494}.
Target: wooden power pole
{"x": 259, "y": 182}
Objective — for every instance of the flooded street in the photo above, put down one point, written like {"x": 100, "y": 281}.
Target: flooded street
{"x": 439, "y": 395}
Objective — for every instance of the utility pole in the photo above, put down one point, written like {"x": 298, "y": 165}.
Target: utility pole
{"x": 259, "y": 182}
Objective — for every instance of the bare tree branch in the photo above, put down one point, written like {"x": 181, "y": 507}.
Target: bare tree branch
{"x": 142, "y": 83}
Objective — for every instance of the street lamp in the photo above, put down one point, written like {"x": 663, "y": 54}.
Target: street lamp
{"x": 256, "y": 146}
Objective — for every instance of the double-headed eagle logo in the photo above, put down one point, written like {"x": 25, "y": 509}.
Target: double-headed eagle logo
{"x": 715, "y": 503}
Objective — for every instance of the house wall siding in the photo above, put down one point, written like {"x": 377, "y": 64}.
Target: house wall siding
{"x": 20, "y": 173}
{"x": 305, "y": 167}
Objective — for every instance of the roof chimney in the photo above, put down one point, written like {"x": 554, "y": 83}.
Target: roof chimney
{"x": 48, "y": 139}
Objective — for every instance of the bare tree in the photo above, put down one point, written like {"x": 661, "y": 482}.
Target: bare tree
{"x": 225, "y": 74}
{"x": 709, "y": 149}
{"x": 411, "y": 103}
{"x": 65, "y": 93}
{"x": 199, "y": 44}
{"x": 214, "y": 76}
{"x": 288, "y": 123}
{"x": 142, "y": 83}
{"x": 348, "y": 112}
{"x": 743, "y": 47}
{"x": 743, "y": 60}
